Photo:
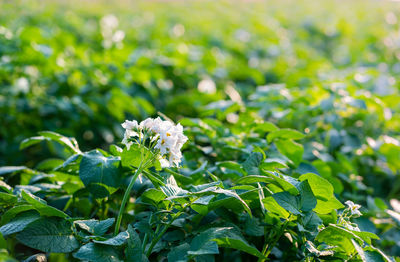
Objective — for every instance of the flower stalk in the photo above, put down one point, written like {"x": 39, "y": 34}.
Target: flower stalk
{"x": 126, "y": 197}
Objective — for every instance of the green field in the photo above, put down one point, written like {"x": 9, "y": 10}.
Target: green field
{"x": 290, "y": 109}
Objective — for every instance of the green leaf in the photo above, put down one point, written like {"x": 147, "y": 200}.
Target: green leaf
{"x": 49, "y": 235}
{"x": 133, "y": 250}
{"x": 252, "y": 163}
{"x": 179, "y": 253}
{"x": 232, "y": 166}
{"x": 5, "y": 187}
{"x": 206, "y": 242}
{"x": 254, "y": 179}
{"x": 272, "y": 206}
{"x": 131, "y": 157}
{"x": 31, "y": 141}
{"x": 154, "y": 195}
{"x": 19, "y": 223}
{"x": 41, "y": 206}
{"x": 337, "y": 236}
{"x": 288, "y": 202}
{"x": 273, "y": 163}
{"x": 171, "y": 188}
{"x": 323, "y": 191}
{"x": 366, "y": 236}
{"x": 7, "y": 199}
{"x": 311, "y": 221}
{"x": 98, "y": 253}
{"x": 118, "y": 240}
{"x": 266, "y": 127}
{"x": 287, "y": 183}
{"x": 285, "y": 133}
{"x": 12, "y": 212}
{"x": 234, "y": 195}
{"x": 308, "y": 200}
{"x": 94, "y": 226}
{"x": 11, "y": 169}
{"x": 291, "y": 150}
{"x": 99, "y": 173}
{"x": 69, "y": 142}
{"x": 3, "y": 243}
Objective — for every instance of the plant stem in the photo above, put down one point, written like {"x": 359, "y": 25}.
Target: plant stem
{"x": 278, "y": 236}
{"x": 125, "y": 199}
{"x": 155, "y": 240}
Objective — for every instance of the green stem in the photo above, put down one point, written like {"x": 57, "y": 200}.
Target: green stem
{"x": 155, "y": 240}
{"x": 278, "y": 236}
{"x": 125, "y": 199}
{"x": 146, "y": 238}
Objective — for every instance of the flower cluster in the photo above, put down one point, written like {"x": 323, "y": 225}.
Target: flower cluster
{"x": 354, "y": 208}
{"x": 165, "y": 138}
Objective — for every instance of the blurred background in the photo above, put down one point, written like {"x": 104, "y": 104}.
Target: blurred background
{"x": 326, "y": 68}
{"x": 82, "y": 67}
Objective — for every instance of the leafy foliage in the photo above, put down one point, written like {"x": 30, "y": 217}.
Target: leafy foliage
{"x": 288, "y": 116}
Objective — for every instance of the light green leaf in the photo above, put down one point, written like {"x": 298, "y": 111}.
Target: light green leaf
{"x": 291, "y": 150}
{"x": 285, "y": 133}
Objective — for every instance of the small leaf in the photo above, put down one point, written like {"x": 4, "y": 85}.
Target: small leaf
{"x": 94, "y": 226}
{"x": 252, "y": 163}
{"x": 288, "y": 202}
{"x": 285, "y": 133}
{"x": 118, "y": 240}
{"x": 97, "y": 253}
{"x": 154, "y": 195}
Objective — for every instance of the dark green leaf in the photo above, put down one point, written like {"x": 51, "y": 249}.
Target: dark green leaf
{"x": 49, "y": 235}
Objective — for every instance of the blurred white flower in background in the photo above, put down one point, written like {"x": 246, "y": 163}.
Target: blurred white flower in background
{"x": 108, "y": 27}
{"x": 207, "y": 86}
{"x": 109, "y": 22}
{"x": 21, "y": 85}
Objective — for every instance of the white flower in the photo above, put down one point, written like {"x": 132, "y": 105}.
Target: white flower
{"x": 167, "y": 137}
{"x": 354, "y": 208}
{"x": 131, "y": 125}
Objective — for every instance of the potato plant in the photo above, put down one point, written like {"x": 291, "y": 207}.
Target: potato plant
{"x": 249, "y": 203}
{"x": 290, "y": 109}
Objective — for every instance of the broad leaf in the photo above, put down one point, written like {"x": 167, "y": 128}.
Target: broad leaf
{"x": 49, "y": 235}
